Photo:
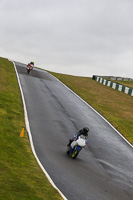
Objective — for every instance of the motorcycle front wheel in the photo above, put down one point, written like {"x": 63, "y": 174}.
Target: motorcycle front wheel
{"x": 75, "y": 153}
{"x": 28, "y": 71}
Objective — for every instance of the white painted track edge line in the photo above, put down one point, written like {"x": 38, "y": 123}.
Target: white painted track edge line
{"x": 30, "y": 137}
{"x": 96, "y": 112}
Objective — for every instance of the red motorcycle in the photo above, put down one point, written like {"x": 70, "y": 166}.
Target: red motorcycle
{"x": 29, "y": 67}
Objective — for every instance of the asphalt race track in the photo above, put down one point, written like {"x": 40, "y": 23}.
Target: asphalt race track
{"x": 103, "y": 170}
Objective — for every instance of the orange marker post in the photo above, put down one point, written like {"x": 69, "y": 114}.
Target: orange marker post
{"x": 22, "y": 133}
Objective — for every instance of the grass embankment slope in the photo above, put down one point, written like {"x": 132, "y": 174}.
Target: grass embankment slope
{"x": 20, "y": 174}
{"x": 115, "y": 106}
{"x": 126, "y": 83}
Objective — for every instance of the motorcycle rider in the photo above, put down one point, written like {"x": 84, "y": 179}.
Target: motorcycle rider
{"x": 83, "y": 131}
{"x": 31, "y": 65}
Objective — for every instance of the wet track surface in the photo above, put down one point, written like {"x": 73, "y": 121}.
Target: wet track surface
{"x": 103, "y": 170}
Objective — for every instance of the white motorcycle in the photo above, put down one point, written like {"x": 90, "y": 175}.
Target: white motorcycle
{"x": 76, "y": 146}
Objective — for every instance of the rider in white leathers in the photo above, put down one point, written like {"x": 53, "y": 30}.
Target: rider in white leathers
{"x": 83, "y": 131}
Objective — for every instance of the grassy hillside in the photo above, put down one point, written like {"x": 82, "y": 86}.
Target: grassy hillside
{"x": 115, "y": 106}
{"x": 20, "y": 175}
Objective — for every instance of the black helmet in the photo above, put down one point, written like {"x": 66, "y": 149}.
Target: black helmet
{"x": 85, "y": 130}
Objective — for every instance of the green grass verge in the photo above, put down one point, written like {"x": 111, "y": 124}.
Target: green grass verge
{"x": 115, "y": 106}
{"x": 20, "y": 174}
{"x": 126, "y": 83}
